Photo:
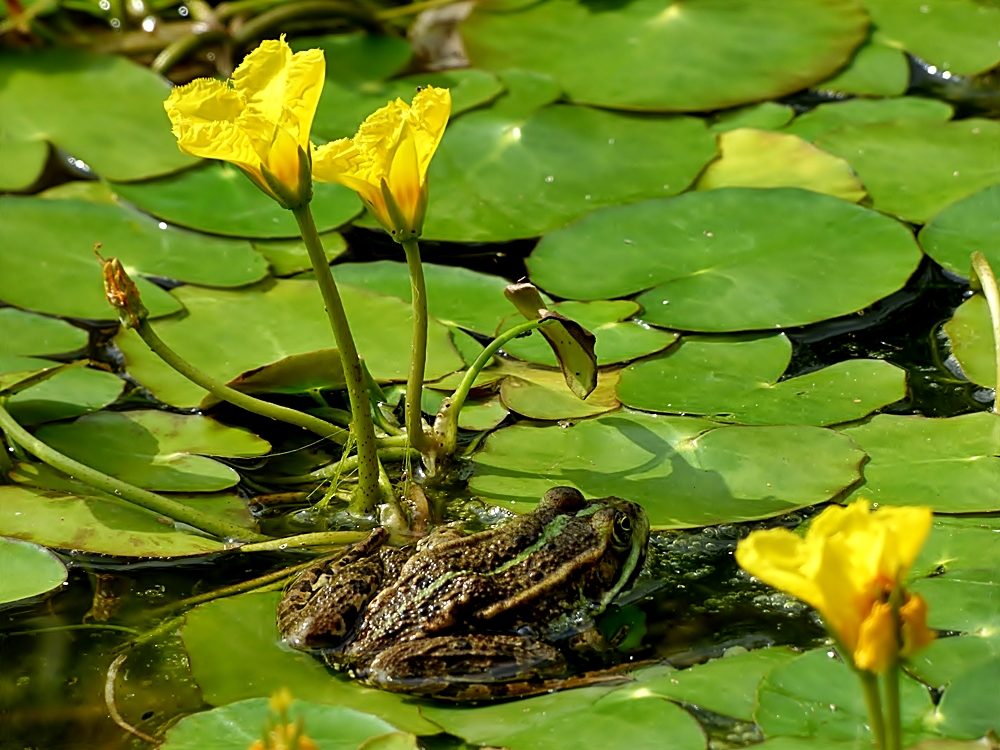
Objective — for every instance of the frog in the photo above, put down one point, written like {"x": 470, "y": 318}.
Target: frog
{"x": 472, "y": 617}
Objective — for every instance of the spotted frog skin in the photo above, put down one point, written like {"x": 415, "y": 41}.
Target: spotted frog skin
{"x": 470, "y": 617}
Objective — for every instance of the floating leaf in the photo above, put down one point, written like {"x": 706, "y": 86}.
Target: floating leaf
{"x": 226, "y": 333}
{"x": 59, "y": 236}
{"x": 724, "y": 264}
{"x": 70, "y": 393}
{"x": 971, "y": 704}
{"x": 914, "y": 168}
{"x": 970, "y": 332}
{"x": 684, "y": 471}
{"x": 296, "y": 374}
{"x": 288, "y": 257}
{"x": 658, "y": 55}
{"x": 877, "y": 69}
{"x": 21, "y": 163}
{"x": 102, "y": 109}
{"x": 358, "y": 57}
{"x": 835, "y": 115}
{"x": 476, "y": 414}
{"x": 543, "y": 394}
{"x": 763, "y": 116}
{"x": 952, "y": 464}
{"x": 31, "y": 335}
{"x": 28, "y": 570}
{"x": 760, "y": 158}
{"x": 156, "y": 450}
{"x": 737, "y": 380}
{"x": 966, "y": 226}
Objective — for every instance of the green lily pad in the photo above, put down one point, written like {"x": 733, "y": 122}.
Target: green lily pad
{"x": 970, "y": 332}
{"x": 226, "y": 333}
{"x": 59, "y": 236}
{"x": 970, "y": 706}
{"x": 237, "y": 725}
{"x": 877, "y": 69}
{"x": 30, "y": 335}
{"x": 684, "y": 471}
{"x": 818, "y": 696}
{"x": 297, "y": 374}
{"x": 102, "y": 109}
{"x": 723, "y": 263}
{"x": 618, "y": 338}
{"x": 726, "y": 686}
{"x": 543, "y": 394}
{"x": 358, "y": 57}
{"x": 156, "y": 450}
{"x": 216, "y": 197}
{"x": 834, "y": 115}
{"x": 28, "y": 570}
{"x": 70, "y": 393}
{"x": 959, "y": 36}
{"x": 952, "y": 464}
{"x": 737, "y": 380}
{"x": 947, "y": 659}
{"x": 761, "y": 158}
{"x": 54, "y": 511}
{"x": 219, "y": 635}
{"x": 966, "y": 226}
{"x": 589, "y": 717}
{"x": 455, "y": 296}
{"x": 344, "y": 105}
{"x": 95, "y": 191}
{"x": 21, "y": 163}
{"x": 289, "y": 257}
{"x": 520, "y": 169}
{"x": 478, "y": 415}
{"x": 763, "y": 116}
{"x": 663, "y": 56}
{"x": 914, "y": 168}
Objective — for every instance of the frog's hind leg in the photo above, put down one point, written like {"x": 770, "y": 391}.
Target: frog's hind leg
{"x": 322, "y": 605}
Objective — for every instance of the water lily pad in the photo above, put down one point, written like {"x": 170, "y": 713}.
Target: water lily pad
{"x": 590, "y": 717}
{"x": 476, "y": 414}
{"x": 877, "y": 69}
{"x": 834, "y": 115}
{"x": 684, "y": 471}
{"x": 737, "y": 380}
{"x": 618, "y": 338}
{"x": 216, "y": 197}
{"x": 297, "y": 374}
{"x": 724, "y": 264}
{"x": 289, "y": 257}
{"x": 21, "y": 163}
{"x": 952, "y": 465}
{"x": 54, "y": 511}
{"x": 156, "y": 450}
{"x": 28, "y": 570}
{"x": 59, "y": 236}
{"x": 970, "y": 706}
{"x": 914, "y": 168}
{"x": 358, "y": 57}
{"x": 103, "y": 109}
{"x": 219, "y": 635}
{"x": 763, "y": 116}
{"x": 947, "y": 659}
{"x": 455, "y": 296}
{"x": 226, "y": 333}
{"x": 818, "y": 696}
{"x": 70, "y": 393}
{"x": 344, "y": 105}
{"x": 658, "y": 55}
{"x": 95, "y": 191}
{"x": 32, "y": 335}
{"x": 514, "y": 170}
{"x": 237, "y": 725}
{"x": 966, "y": 226}
{"x": 959, "y": 36}
{"x": 543, "y": 394}
{"x": 761, "y": 158}
{"x": 970, "y": 333}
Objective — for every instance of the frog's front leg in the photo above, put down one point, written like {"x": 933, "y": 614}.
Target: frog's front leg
{"x": 466, "y": 668}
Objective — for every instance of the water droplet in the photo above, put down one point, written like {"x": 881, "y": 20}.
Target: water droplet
{"x": 162, "y": 225}
{"x": 932, "y": 69}
{"x": 183, "y": 11}
{"x": 628, "y": 242}
{"x": 115, "y": 23}
{"x": 282, "y": 546}
{"x": 611, "y": 141}
{"x": 148, "y": 24}
{"x": 550, "y": 178}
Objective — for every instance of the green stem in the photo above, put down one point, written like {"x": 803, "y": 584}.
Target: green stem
{"x": 869, "y": 684}
{"x": 349, "y": 463}
{"x": 172, "y": 509}
{"x": 446, "y": 424}
{"x": 893, "y": 723}
{"x": 418, "y": 351}
{"x": 368, "y": 492}
{"x": 988, "y": 283}
{"x": 258, "y": 27}
{"x": 301, "y": 541}
{"x": 244, "y": 401}
{"x": 176, "y": 51}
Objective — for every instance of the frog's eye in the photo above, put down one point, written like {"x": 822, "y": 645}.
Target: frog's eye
{"x": 622, "y": 529}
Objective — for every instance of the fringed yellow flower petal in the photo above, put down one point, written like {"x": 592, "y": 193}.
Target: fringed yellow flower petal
{"x": 386, "y": 163}
{"x": 259, "y": 121}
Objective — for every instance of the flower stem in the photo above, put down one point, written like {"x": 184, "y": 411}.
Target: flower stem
{"x": 368, "y": 493}
{"x": 988, "y": 284}
{"x": 418, "y": 351}
{"x": 172, "y": 509}
{"x": 873, "y": 702}
{"x": 893, "y": 723}
{"x": 244, "y": 401}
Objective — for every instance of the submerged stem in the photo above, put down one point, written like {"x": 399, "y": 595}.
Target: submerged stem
{"x": 988, "y": 282}
{"x": 893, "y": 723}
{"x": 873, "y": 702}
{"x": 418, "y": 351}
{"x": 368, "y": 493}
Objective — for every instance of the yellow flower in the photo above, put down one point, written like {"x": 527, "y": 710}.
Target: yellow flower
{"x": 259, "y": 121}
{"x": 848, "y": 566}
{"x": 386, "y": 162}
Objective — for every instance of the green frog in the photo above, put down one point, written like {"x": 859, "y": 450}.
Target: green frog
{"x": 471, "y": 617}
